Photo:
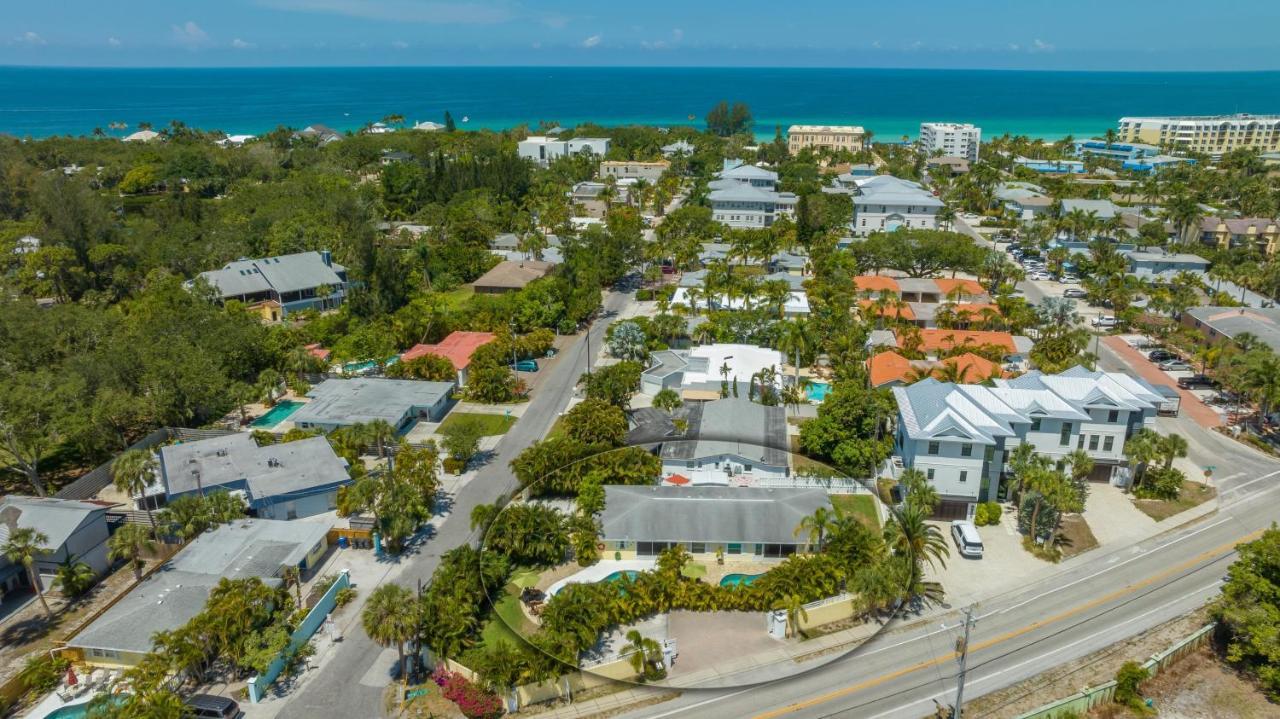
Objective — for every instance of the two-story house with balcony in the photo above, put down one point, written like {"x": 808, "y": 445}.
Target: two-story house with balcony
{"x": 885, "y": 203}
{"x": 961, "y": 435}
{"x": 276, "y": 286}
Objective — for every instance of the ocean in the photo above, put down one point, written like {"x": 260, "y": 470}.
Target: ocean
{"x": 39, "y": 102}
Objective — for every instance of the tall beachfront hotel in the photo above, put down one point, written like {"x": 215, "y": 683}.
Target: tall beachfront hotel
{"x": 1210, "y": 134}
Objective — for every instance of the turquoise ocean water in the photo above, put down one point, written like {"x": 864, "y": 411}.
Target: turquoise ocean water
{"x": 890, "y": 103}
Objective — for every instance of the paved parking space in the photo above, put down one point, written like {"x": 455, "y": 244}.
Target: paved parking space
{"x": 1005, "y": 565}
{"x": 1192, "y": 405}
{"x": 1112, "y": 517}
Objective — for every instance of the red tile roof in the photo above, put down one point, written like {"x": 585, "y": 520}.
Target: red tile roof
{"x": 967, "y": 287}
{"x": 887, "y": 367}
{"x": 319, "y": 352}
{"x": 973, "y": 368}
{"x": 904, "y": 312}
{"x": 457, "y": 348}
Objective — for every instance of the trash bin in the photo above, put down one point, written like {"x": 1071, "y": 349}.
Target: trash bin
{"x": 342, "y": 542}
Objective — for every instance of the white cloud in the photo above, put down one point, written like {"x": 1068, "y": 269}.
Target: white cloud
{"x": 241, "y": 44}
{"x": 30, "y": 38}
{"x": 677, "y": 34}
{"x": 655, "y": 45}
{"x": 591, "y": 41}
{"x": 1039, "y": 45}
{"x": 113, "y": 42}
{"x": 536, "y": 46}
{"x": 875, "y": 44}
{"x": 1015, "y": 46}
{"x": 400, "y": 45}
{"x": 436, "y": 13}
{"x": 190, "y": 35}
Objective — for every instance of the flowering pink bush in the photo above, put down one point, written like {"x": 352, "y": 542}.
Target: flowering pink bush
{"x": 473, "y": 700}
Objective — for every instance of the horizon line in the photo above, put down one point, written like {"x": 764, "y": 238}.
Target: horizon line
{"x": 634, "y": 67}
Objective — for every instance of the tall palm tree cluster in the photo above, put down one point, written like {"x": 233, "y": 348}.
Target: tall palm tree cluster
{"x": 401, "y": 496}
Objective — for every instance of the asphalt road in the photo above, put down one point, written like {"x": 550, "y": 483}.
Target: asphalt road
{"x": 342, "y": 687}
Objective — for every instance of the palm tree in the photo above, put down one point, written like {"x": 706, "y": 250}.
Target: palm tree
{"x": 793, "y": 605}
{"x": 380, "y": 432}
{"x": 920, "y": 493}
{"x": 390, "y": 617}
{"x": 268, "y": 383}
{"x": 22, "y": 547}
{"x": 645, "y": 652}
{"x": 73, "y": 577}
{"x": 816, "y": 526}
{"x": 1171, "y": 447}
{"x": 908, "y": 534}
{"x": 131, "y": 473}
{"x": 129, "y": 544}
{"x": 1141, "y": 449}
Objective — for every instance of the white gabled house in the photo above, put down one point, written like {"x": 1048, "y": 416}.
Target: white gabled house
{"x": 961, "y": 435}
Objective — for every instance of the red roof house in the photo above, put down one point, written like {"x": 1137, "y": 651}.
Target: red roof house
{"x": 457, "y": 348}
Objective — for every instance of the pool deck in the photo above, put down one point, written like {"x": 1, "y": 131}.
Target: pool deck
{"x": 602, "y": 569}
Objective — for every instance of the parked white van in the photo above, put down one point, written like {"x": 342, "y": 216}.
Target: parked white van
{"x": 965, "y": 535}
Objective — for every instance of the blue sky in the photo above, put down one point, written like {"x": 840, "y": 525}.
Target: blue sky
{"x": 1000, "y": 34}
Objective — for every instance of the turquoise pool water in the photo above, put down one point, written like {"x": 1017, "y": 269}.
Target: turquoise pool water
{"x": 629, "y": 574}
{"x": 277, "y": 414}
{"x": 735, "y": 580}
{"x": 367, "y": 365}
{"x": 75, "y": 711}
{"x": 817, "y": 391}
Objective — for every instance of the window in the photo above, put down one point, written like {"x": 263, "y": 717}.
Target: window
{"x": 1093, "y": 442}
{"x": 929, "y": 474}
{"x": 989, "y": 454}
{"x": 966, "y": 450}
{"x": 104, "y": 653}
{"x": 697, "y": 548}
{"x": 1108, "y": 443}
{"x": 1035, "y": 424}
{"x": 964, "y": 476}
{"x": 933, "y": 448}
{"x": 1113, "y": 415}
{"x": 1080, "y": 443}
{"x": 1064, "y": 437}
{"x": 733, "y": 548}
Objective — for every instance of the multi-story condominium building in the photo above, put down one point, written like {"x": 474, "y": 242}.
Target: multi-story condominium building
{"x": 951, "y": 139}
{"x": 1258, "y": 233}
{"x": 542, "y": 149}
{"x": 828, "y": 137}
{"x": 1212, "y": 135}
{"x": 631, "y": 169}
{"x": 747, "y": 196}
{"x": 961, "y": 435}
{"x": 885, "y": 203}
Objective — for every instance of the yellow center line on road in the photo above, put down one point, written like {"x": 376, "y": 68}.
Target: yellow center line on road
{"x": 1215, "y": 553}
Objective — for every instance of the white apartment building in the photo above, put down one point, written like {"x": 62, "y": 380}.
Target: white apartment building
{"x": 951, "y": 139}
{"x": 1212, "y": 135}
{"x": 885, "y": 203}
{"x": 961, "y": 435}
{"x": 747, "y": 196}
{"x": 634, "y": 170}
{"x": 543, "y": 150}
{"x": 829, "y": 137}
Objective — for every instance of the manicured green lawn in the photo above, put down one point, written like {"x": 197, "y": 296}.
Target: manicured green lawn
{"x": 862, "y": 506}
{"x": 694, "y": 570}
{"x": 492, "y": 423}
{"x": 506, "y": 614}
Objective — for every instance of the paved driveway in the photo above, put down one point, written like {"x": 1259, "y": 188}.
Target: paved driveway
{"x": 1005, "y": 565}
{"x": 1113, "y": 518}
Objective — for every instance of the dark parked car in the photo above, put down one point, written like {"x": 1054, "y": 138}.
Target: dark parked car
{"x": 1196, "y": 381}
{"x": 1161, "y": 355}
{"x": 208, "y": 706}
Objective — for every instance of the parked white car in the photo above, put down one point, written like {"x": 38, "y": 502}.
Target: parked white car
{"x": 1070, "y": 280}
{"x": 1039, "y": 276}
{"x": 965, "y": 535}
{"x": 1104, "y": 321}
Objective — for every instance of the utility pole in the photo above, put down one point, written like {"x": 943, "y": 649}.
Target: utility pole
{"x": 962, "y": 649}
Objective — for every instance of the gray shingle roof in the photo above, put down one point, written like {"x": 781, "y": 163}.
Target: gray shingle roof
{"x": 286, "y": 273}
{"x": 271, "y": 471}
{"x": 365, "y": 399}
{"x": 738, "y": 426}
{"x": 58, "y": 519}
{"x": 707, "y": 514}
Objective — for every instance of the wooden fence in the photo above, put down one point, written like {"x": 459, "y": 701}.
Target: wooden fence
{"x": 1080, "y": 703}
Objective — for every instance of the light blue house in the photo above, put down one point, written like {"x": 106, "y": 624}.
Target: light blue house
{"x": 1163, "y": 265}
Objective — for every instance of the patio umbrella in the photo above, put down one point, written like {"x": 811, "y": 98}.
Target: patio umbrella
{"x": 72, "y": 679}
{"x": 677, "y": 479}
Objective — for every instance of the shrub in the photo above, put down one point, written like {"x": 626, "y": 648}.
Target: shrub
{"x": 1130, "y": 675}
{"x": 987, "y": 513}
{"x": 473, "y": 700}
{"x": 1161, "y": 483}
{"x": 454, "y": 466}
{"x": 344, "y": 597}
{"x": 40, "y": 674}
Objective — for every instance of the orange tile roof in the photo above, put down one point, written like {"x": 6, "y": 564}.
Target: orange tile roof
{"x": 975, "y": 309}
{"x": 933, "y": 340}
{"x": 319, "y": 352}
{"x": 973, "y": 368}
{"x": 968, "y": 287}
{"x": 876, "y": 283}
{"x": 887, "y": 367}
{"x": 457, "y": 348}
{"x": 904, "y": 312}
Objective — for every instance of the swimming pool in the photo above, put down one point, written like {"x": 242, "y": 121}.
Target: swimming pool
{"x": 367, "y": 365}
{"x": 817, "y": 391}
{"x": 629, "y": 574}
{"x": 737, "y": 580}
{"x": 277, "y": 414}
